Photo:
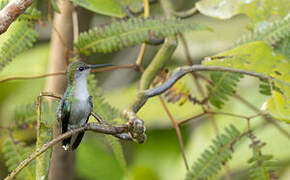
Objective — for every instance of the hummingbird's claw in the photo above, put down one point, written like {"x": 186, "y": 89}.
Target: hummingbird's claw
{"x": 65, "y": 147}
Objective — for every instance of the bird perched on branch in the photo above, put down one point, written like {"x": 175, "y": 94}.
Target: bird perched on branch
{"x": 76, "y": 105}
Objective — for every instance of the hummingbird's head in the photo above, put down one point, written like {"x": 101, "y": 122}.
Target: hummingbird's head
{"x": 78, "y": 70}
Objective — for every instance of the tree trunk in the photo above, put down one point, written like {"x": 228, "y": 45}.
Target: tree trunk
{"x": 62, "y": 162}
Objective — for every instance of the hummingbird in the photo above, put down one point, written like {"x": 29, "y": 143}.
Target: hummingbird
{"x": 75, "y": 107}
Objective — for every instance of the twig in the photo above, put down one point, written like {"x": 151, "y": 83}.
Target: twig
{"x": 186, "y": 49}
{"x": 140, "y": 56}
{"x": 267, "y": 117}
{"x": 11, "y": 11}
{"x": 192, "y": 118}
{"x": 31, "y": 76}
{"x": 127, "y": 66}
{"x": 112, "y": 130}
{"x": 63, "y": 73}
{"x": 190, "y": 63}
{"x": 177, "y": 129}
{"x": 231, "y": 114}
{"x": 143, "y": 47}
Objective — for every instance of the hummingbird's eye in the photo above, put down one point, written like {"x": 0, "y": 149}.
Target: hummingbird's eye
{"x": 81, "y": 68}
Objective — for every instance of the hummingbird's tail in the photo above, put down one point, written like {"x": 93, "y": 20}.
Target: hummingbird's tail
{"x": 66, "y": 143}
{"x": 78, "y": 140}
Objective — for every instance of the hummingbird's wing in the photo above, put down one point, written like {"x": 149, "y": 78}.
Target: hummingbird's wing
{"x": 63, "y": 114}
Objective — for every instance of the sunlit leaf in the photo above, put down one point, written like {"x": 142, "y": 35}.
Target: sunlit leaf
{"x": 260, "y": 58}
{"x": 279, "y": 107}
{"x": 258, "y": 10}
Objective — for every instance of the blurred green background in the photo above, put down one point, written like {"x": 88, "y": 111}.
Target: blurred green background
{"x": 159, "y": 157}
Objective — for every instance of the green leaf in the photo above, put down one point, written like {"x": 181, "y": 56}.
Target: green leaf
{"x": 105, "y": 7}
{"x": 258, "y": 10}
{"x": 224, "y": 86}
{"x": 258, "y": 57}
{"x": 279, "y": 107}
{"x": 261, "y": 165}
{"x": 19, "y": 37}
{"x": 214, "y": 157}
{"x": 14, "y": 153}
{"x": 125, "y": 33}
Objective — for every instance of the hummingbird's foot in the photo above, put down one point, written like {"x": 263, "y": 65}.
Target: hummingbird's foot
{"x": 136, "y": 127}
{"x": 124, "y": 136}
{"x": 65, "y": 147}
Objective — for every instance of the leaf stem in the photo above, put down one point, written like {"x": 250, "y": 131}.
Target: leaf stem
{"x": 177, "y": 129}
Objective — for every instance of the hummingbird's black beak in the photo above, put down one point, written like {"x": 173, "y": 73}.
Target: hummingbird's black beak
{"x": 98, "y": 66}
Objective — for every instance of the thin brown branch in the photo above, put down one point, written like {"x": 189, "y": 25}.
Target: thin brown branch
{"x": 112, "y": 130}
{"x": 219, "y": 113}
{"x": 186, "y": 49}
{"x": 267, "y": 117}
{"x": 31, "y": 76}
{"x": 229, "y": 114}
{"x": 190, "y": 63}
{"x": 128, "y": 66}
{"x": 192, "y": 118}
{"x": 11, "y": 11}
{"x": 213, "y": 123}
{"x": 28, "y": 77}
{"x": 175, "y": 125}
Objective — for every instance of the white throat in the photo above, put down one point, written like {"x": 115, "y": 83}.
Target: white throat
{"x": 81, "y": 90}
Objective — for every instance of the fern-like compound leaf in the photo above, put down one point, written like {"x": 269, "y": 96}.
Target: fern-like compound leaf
{"x": 271, "y": 33}
{"x": 125, "y": 33}
{"x": 224, "y": 87}
{"x": 261, "y": 165}
{"x": 25, "y": 115}
{"x": 31, "y": 13}
{"x": 214, "y": 157}
{"x": 21, "y": 36}
{"x": 14, "y": 153}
